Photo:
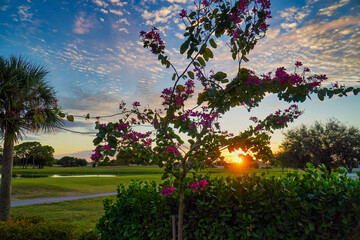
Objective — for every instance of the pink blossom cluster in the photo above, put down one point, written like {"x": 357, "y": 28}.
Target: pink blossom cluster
{"x": 172, "y": 149}
{"x": 153, "y": 40}
{"x": 97, "y": 154}
{"x": 183, "y": 13}
{"x": 242, "y": 10}
{"x": 107, "y": 147}
{"x": 202, "y": 118}
{"x": 121, "y": 126}
{"x": 147, "y": 142}
{"x": 134, "y": 136}
{"x": 167, "y": 191}
{"x": 280, "y": 117}
{"x": 180, "y": 93}
{"x": 136, "y": 104}
{"x": 336, "y": 85}
{"x": 253, "y": 80}
{"x": 198, "y": 185}
{"x": 39, "y": 109}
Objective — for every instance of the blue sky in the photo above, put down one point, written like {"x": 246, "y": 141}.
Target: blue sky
{"x": 95, "y": 59}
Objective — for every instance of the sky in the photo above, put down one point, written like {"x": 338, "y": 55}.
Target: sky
{"x": 95, "y": 59}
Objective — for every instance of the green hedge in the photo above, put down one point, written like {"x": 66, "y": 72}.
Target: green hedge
{"x": 36, "y": 228}
{"x": 310, "y": 205}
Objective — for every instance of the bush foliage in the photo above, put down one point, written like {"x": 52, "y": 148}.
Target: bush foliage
{"x": 310, "y": 205}
{"x": 36, "y": 228}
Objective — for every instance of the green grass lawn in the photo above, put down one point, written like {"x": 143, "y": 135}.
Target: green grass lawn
{"x": 32, "y": 188}
{"x": 86, "y": 212}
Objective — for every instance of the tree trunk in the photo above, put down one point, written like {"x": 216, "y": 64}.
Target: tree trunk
{"x": 181, "y": 211}
{"x": 6, "y": 175}
{"x": 173, "y": 219}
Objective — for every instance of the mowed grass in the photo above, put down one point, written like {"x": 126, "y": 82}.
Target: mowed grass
{"x": 32, "y": 188}
{"x": 86, "y": 212}
{"x": 45, "y": 187}
{"x": 83, "y": 213}
{"x": 116, "y": 170}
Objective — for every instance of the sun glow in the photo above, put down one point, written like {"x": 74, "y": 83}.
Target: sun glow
{"x": 237, "y": 160}
{"x": 235, "y": 156}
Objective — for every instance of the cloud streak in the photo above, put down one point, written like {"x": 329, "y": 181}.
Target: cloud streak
{"x": 82, "y": 24}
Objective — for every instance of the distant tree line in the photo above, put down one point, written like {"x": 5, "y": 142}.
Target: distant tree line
{"x": 33, "y": 154}
{"x": 68, "y": 161}
{"x": 332, "y": 144}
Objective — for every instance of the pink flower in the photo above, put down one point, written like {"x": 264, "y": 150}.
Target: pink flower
{"x": 254, "y": 119}
{"x": 55, "y": 101}
{"x": 103, "y": 125}
{"x": 136, "y": 104}
{"x": 167, "y": 191}
{"x": 298, "y": 64}
{"x": 259, "y": 128}
{"x": 182, "y": 14}
{"x": 179, "y": 101}
{"x": 172, "y": 149}
{"x": 97, "y": 117}
{"x": 198, "y": 185}
{"x": 147, "y": 142}
{"x": 107, "y": 147}
{"x": 306, "y": 69}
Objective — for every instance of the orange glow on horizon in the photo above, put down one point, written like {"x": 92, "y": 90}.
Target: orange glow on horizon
{"x": 237, "y": 160}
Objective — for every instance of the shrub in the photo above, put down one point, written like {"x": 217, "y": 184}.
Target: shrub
{"x": 313, "y": 205}
{"x": 36, "y": 228}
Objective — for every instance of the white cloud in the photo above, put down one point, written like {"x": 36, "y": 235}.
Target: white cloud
{"x": 82, "y": 24}
{"x": 101, "y": 19}
{"x": 179, "y": 35}
{"x": 123, "y": 20}
{"x": 24, "y": 14}
{"x": 104, "y": 11}
{"x": 161, "y": 16}
{"x": 3, "y": 8}
{"x": 123, "y": 30}
{"x": 117, "y": 12}
{"x": 118, "y": 3}
{"x": 288, "y": 26}
{"x": 329, "y": 11}
{"x": 178, "y": 1}
{"x": 101, "y": 3}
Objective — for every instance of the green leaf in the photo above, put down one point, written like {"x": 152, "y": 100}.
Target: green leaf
{"x": 191, "y": 74}
{"x": 173, "y": 76}
{"x": 321, "y": 96}
{"x": 234, "y": 55}
{"x": 97, "y": 141}
{"x": 209, "y": 53}
{"x": 201, "y": 61}
{"x": 311, "y": 227}
{"x": 212, "y": 43}
{"x": 219, "y": 76}
{"x": 61, "y": 114}
{"x": 192, "y": 14}
{"x": 70, "y": 118}
{"x": 184, "y": 46}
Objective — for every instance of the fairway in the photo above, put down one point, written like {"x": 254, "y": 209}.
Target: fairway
{"x": 86, "y": 212}
{"x": 47, "y": 187}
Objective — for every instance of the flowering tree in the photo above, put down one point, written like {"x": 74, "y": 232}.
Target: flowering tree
{"x": 188, "y": 136}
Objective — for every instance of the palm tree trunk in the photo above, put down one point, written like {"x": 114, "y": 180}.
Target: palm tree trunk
{"x": 6, "y": 175}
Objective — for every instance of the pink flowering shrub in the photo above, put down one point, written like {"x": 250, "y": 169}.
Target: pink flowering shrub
{"x": 167, "y": 191}
{"x": 186, "y": 134}
{"x": 198, "y": 185}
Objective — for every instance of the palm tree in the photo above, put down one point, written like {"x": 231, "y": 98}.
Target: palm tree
{"x": 26, "y": 104}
